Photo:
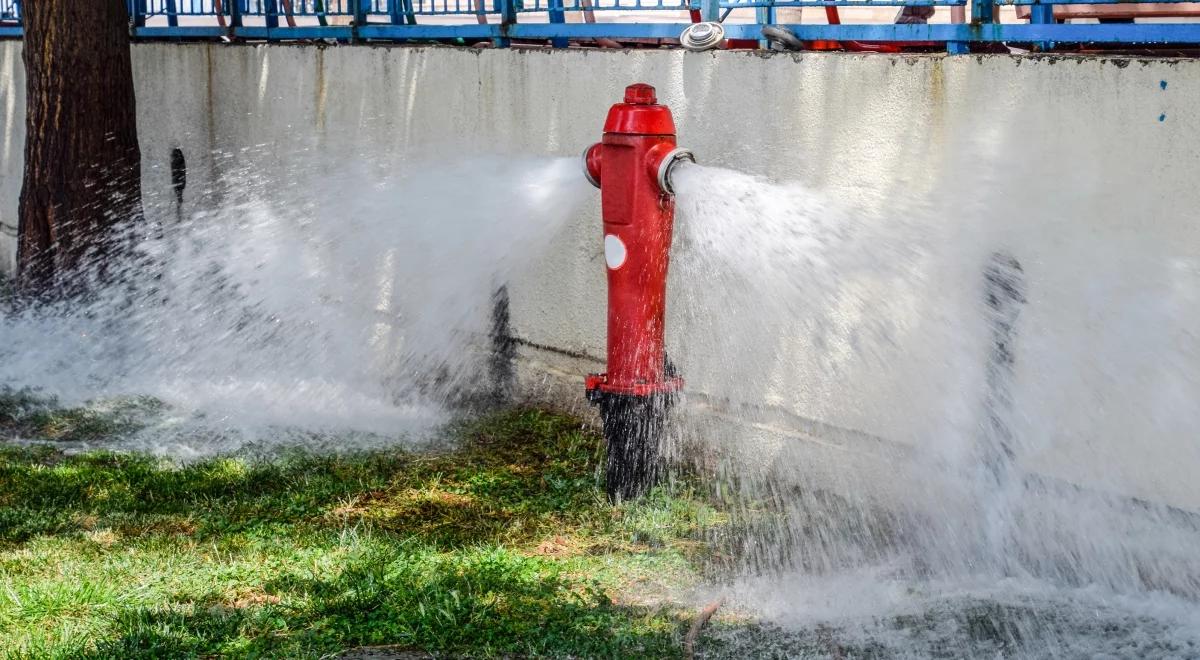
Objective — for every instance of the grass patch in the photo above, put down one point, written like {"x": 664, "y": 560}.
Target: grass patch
{"x": 25, "y": 413}
{"x": 501, "y": 546}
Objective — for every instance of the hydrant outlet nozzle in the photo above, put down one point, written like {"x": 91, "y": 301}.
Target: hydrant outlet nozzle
{"x": 591, "y": 164}
{"x": 667, "y": 165}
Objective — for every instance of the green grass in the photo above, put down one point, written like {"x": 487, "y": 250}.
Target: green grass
{"x": 27, "y": 414}
{"x": 501, "y": 546}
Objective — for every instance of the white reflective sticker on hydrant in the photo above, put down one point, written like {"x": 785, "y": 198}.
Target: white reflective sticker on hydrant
{"x": 614, "y": 252}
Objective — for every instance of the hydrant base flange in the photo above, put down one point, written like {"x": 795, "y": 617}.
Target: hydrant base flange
{"x": 596, "y": 384}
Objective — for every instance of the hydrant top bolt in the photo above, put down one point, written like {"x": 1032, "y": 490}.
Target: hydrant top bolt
{"x": 640, "y": 94}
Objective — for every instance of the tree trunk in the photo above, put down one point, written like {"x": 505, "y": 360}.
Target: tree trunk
{"x": 82, "y": 163}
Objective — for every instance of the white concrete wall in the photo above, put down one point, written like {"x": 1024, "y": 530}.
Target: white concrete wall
{"x": 12, "y": 146}
{"x": 1099, "y": 142}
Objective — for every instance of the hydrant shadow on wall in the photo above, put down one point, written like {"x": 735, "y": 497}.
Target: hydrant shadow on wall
{"x": 632, "y": 165}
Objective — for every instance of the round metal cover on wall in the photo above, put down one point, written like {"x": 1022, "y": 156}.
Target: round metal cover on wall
{"x": 702, "y": 36}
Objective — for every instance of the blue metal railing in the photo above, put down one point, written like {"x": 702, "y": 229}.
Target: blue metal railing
{"x": 608, "y": 5}
{"x": 546, "y": 21}
{"x": 9, "y": 11}
{"x": 246, "y": 7}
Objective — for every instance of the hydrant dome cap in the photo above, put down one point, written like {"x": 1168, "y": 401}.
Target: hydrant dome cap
{"x": 640, "y": 114}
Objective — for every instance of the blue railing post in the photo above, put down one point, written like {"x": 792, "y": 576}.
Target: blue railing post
{"x": 271, "y": 13}
{"x": 1042, "y": 15}
{"x": 358, "y": 16}
{"x": 710, "y": 10}
{"x": 764, "y": 16}
{"x": 137, "y": 12}
{"x": 172, "y": 14}
{"x": 235, "y": 13}
{"x": 981, "y": 11}
{"x": 395, "y": 12}
{"x": 558, "y": 16}
{"x": 508, "y": 18}
{"x": 958, "y": 47}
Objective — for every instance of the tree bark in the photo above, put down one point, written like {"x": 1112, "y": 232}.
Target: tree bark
{"x": 82, "y": 162}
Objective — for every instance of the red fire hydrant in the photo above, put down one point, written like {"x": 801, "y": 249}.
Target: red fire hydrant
{"x": 632, "y": 166}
